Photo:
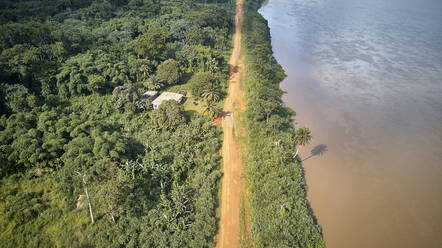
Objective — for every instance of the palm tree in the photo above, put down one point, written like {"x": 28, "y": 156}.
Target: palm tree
{"x": 210, "y": 109}
{"x": 212, "y": 93}
{"x": 303, "y": 136}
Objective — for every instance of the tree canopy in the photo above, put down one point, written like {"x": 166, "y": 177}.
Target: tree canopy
{"x": 302, "y": 136}
{"x": 169, "y": 72}
{"x": 72, "y": 74}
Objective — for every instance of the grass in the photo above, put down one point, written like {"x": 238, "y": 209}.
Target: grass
{"x": 244, "y": 237}
{"x": 192, "y": 104}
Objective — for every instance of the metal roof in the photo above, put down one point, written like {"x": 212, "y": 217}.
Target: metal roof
{"x": 148, "y": 95}
{"x": 167, "y": 96}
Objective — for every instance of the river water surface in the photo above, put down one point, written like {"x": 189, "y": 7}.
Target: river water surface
{"x": 366, "y": 77}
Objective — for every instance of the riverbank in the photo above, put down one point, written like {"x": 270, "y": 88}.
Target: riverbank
{"x": 276, "y": 189}
{"x": 374, "y": 110}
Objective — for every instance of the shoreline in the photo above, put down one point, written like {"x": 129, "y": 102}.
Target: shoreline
{"x": 371, "y": 186}
{"x": 275, "y": 180}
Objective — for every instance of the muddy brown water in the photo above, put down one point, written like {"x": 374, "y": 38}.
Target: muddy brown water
{"x": 366, "y": 78}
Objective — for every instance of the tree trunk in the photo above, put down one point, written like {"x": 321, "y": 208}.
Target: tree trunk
{"x": 296, "y": 154}
{"x": 112, "y": 216}
{"x": 88, "y": 198}
{"x": 133, "y": 172}
{"x": 88, "y": 201}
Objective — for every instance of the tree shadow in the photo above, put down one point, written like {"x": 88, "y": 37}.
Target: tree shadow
{"x": 233, "y": 69}
{"x": 225, "y": 114}
{"x": 318, "y": 150}
{"x": 189, "y": 113}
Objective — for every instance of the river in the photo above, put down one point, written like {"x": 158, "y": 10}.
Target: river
{"x": 366, "y": 77}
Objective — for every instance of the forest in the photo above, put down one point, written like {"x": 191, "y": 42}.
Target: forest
{"x": 83, "y": 161}
{"x": 276, "y": 190}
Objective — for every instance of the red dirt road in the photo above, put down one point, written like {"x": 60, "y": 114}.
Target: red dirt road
{"x": 229, "y": 232}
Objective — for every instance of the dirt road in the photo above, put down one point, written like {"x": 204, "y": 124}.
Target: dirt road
{"x": 229, "y": 232}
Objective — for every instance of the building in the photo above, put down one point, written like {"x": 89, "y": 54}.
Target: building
{"x": 148, "y": 95}
{"x": 167, "y": 96}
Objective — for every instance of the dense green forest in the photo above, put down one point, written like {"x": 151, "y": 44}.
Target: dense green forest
{"x": 278, "y": 208}
{"x": 71, "y": 77}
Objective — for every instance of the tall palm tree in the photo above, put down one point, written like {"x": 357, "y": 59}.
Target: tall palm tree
{"x": 210, "y": 109}
{"x": 303, "y": 136}
{"x": 212, "y": 93}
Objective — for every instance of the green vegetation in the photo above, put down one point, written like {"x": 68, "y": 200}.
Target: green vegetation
{"x": 71, "y": 77}
{"x": 303, "y": 136}
{"x": 278, "y": 208}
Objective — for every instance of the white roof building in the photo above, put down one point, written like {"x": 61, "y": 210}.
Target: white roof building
{"x": 167, "y": 96}
{"x": 148, "y": 95}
